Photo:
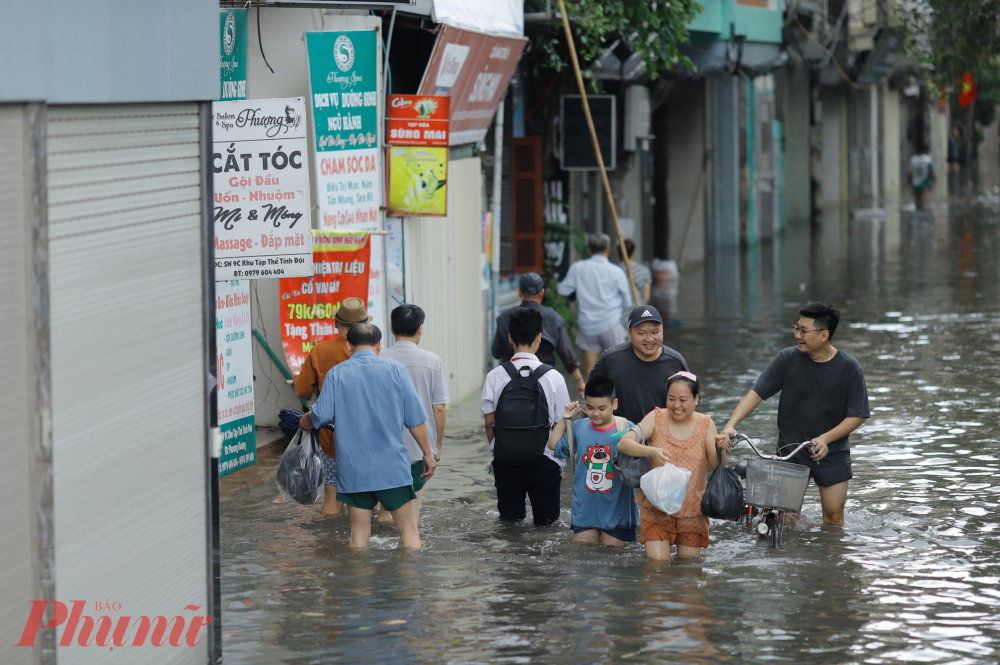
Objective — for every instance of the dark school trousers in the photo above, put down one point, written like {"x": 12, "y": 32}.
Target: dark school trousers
{"x": 539, "y": 481}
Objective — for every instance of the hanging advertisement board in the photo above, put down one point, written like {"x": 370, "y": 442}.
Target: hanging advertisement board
{"x": 340, "y": 270}
{"x": 261, "y": 162}
{"x": 417, "y": 120}
{"x": 233, "y": 54}
{"x": 417, "y": 181}
{"x": 344, "y": 92}
{"x": 473, "y": 69}
{"x": 234, "y": 373}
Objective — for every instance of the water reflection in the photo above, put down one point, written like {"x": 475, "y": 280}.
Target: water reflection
{"x": 913, "y": 576}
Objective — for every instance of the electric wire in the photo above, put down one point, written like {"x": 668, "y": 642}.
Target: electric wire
{"x": 260, "y": 43}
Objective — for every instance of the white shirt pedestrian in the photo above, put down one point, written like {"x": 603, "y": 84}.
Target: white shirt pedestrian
{"x": 553, "y": 385}
{"x": 602, "y": 292}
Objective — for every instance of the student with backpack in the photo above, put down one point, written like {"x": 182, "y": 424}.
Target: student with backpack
{"x": 604, "y": 508}
{"x": 522, "y": 400}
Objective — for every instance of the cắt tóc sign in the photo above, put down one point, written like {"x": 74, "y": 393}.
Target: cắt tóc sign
{"x": 262, "y": 213}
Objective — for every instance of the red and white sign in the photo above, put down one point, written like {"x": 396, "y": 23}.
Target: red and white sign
{"x": 472, "y": 68}
{"x": 417, "y": 120}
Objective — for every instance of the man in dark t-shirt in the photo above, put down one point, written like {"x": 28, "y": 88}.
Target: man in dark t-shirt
{"x": 823, "y": 399}
{"x": 641, "y": 366}
{"x": 531, "y": 290}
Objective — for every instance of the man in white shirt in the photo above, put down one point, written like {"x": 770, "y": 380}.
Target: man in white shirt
{"x": 602, "y": 293}
{"x": 540, "y": 479}
{"x": 427, "y": 372}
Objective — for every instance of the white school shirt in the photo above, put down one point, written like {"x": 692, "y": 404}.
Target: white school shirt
{"x": 553, "y": 385}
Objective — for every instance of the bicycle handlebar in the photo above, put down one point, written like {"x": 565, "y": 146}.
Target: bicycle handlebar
{"x": 739, "y": 436}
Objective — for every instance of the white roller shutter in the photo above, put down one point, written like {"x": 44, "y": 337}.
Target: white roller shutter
{"x": 128, "y": 370}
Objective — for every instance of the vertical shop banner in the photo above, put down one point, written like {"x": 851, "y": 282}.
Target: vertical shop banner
{"x": 417, "y": 164}
{"x": 340, "y": 270}
{"x": 233, "y": 54}
{"x": 261, "y": 163}
{"x": 418, "y": 178}
{"x": 344, "y": 91}
{"x": 234, "y": 368}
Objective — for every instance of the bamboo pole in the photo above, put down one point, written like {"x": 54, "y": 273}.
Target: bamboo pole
{"x": 597, "y": 148}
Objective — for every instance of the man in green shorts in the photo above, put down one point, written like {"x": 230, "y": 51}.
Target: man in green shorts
{"x": 427, "y": 372}
{"x": 371, "y": 400}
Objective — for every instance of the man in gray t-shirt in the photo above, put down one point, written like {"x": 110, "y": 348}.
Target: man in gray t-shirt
{"x": 427, "y": 372}
{"x": 823, "y": 399}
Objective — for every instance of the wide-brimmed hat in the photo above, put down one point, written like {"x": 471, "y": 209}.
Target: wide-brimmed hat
{"x": 352, "y": 311}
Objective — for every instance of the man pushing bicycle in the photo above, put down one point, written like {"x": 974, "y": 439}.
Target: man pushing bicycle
{"x": 823, "y": 399}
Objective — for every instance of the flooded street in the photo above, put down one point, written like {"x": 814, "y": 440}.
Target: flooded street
{"x": 914, "y": 575}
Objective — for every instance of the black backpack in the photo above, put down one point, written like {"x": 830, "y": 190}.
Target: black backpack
{"x": 521, "y": 429}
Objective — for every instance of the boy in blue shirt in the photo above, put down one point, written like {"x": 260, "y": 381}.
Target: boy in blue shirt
{"x": 604, "y": 508}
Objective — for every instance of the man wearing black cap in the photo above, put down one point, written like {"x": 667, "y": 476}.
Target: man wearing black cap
{"x": 641, "y": 366}
{"x": 531, "y": 290}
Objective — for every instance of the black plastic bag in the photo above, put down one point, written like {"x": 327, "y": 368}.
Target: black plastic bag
{"x": 300, "y": 473}
{"x": 723, "y": 499}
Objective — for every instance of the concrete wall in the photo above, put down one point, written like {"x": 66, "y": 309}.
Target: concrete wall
{"x": 442, "y": 276}
{"x": 940, "y": 126}
{"x": 831, "y": 137}
{"x": 795, "y": 103}
{"x": 685, "y": 136}
{"x": 989, "y": 157}
{"x": 723, "y": 219}
{"x": 104, "y": 51}
{"x": 892, "y": 125}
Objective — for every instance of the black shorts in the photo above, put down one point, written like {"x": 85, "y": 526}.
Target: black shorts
{"x": 827, "y": 471}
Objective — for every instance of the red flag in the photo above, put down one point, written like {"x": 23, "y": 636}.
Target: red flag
{"x": 967, "y": 90}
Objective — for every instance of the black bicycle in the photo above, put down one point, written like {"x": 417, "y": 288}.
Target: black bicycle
{"x": 774, "y": 487}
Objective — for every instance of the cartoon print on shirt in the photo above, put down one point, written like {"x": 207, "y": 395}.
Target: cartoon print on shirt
{"x": 600, "y": 472}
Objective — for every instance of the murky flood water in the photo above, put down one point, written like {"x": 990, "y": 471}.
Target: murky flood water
{"x": 913, "y": 576}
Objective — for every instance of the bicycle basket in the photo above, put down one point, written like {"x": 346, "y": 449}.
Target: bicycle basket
{"x": 777, "y": 485}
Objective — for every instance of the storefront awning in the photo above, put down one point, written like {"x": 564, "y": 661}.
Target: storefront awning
{"x": 473, "y": 68}
{"x": 504, "y": 17}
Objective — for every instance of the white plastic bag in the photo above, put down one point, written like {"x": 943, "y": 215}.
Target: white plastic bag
{"x": 665, "y": 487}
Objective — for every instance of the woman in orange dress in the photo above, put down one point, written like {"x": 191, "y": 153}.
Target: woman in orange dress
{"x": 686, "y": 439}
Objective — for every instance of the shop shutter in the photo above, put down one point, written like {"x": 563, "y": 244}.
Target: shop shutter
{"x": 127, "y": 294}
{"x": 526, "y": 164}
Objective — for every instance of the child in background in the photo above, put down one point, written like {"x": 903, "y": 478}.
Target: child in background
{"x": 604, "y": 509}
{"x": 922, "y": 175}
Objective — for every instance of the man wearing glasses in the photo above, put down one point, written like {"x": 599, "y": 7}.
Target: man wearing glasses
{"x": 823, "y": 399}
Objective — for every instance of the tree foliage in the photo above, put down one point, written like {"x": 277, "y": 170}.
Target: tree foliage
{"x": 655, "y": 29}
{"x": 952, "y": 37}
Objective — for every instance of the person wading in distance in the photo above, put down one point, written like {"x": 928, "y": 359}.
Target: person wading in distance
{"x": 823, "y": 399}
{"x": 531, "y": 291}
{"x": 602, "y": 292}
{"x": 371, "y": 399}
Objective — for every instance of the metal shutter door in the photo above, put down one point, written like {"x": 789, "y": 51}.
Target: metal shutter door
{"x": 128, "y": 375}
